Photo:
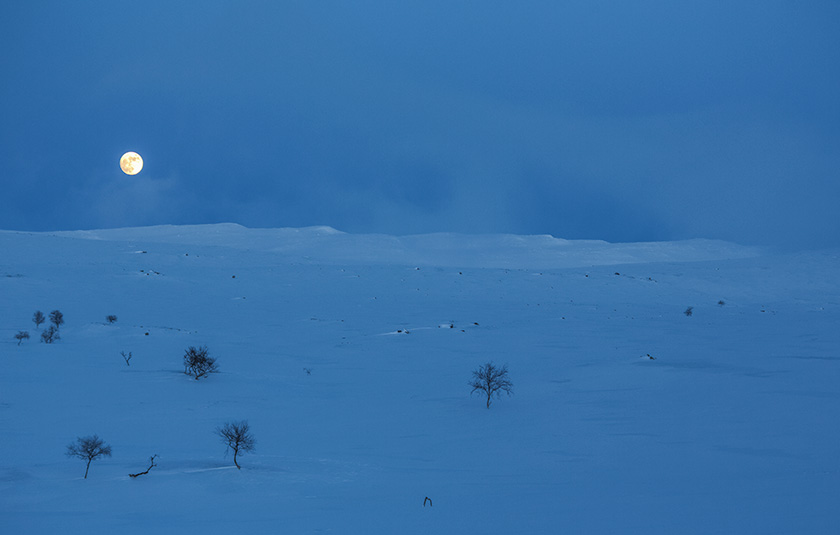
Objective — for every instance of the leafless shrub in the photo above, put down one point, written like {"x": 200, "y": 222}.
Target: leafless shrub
{"x": 491, "y": 380}
{"x": 125, "y": 357}
{"x": 21, "y": 336}
{"x": 197, "y": 363}
{"x": 689, "y": 311}
{"x": 38, "y": 318}
{"x": 57, "y": 318}
{"x": 50, "y": 335}
{"x": 237, "y": 437}
{"x": 110, "y": 319}
{"x": 88, "y": 449}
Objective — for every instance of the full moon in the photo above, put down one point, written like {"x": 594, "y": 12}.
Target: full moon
{"x": 131, "y": 163}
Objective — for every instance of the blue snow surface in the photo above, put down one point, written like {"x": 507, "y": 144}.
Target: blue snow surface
{"x": 349, "y": 356}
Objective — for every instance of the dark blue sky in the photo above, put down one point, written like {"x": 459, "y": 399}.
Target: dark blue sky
{"x": 621, "y": 120}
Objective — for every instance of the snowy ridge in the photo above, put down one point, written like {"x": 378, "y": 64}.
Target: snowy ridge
{"x": 327, "y": 245}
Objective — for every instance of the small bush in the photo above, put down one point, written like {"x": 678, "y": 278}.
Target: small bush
{"x": 689, "y": 311}
{"x": 197, "y": 363}
{"x": 21, "y": 336}
{"x": 57, "y": 318}
{"x": 38, "y": 318}
{"x": 50, "y": 335}
{"x": 111, "y": 319}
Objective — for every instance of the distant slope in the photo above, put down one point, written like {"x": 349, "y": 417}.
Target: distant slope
{"x": 327, "y": 245}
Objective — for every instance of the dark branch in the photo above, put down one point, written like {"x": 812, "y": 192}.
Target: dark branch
{"x": 152, "y": 464}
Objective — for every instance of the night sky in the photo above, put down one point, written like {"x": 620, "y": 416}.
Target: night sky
{"x": 616, "y": 120}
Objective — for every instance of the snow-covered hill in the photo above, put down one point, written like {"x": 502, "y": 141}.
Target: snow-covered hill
{"x": 327, "y": 245}
{"x": 350, "y": 354}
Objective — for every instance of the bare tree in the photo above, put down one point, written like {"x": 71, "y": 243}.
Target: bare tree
{"x": 491, "y": 380}
{"x": 21, "y": 336}
{"x": 197, "y": 363}
{"x": 57, "y": 318}
{"x": 689, "y": 311}
{"x": 110, "y": 318}
{"x": 50, "y": 335}
{"x": 38, "y": 318}
{"x": 88, "y": 449}
{"x": 237, "y": 437}
{"x": 125, "y": 357}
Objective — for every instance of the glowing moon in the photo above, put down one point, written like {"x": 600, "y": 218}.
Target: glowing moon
{"x": 131, "y": 163}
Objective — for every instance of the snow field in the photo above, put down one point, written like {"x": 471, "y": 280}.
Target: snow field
{"x": 728, "y": 429}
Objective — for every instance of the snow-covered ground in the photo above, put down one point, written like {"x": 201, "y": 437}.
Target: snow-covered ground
{"x": 732, "y": 427}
